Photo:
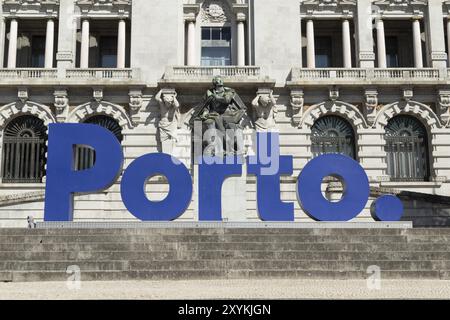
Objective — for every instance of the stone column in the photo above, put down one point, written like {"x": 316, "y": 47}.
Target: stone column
{"x": 346, "y": 44}
{"x": 85, "y": 38}
{"x": 310, "y": 50}
{"x": 381, "y": 44}
{"x": 240, "y": 41}
{"x": 191, "y": 52}
{"x": 448, "y": 39}
{"x": 49, "y": 43}
{"x": 12, "y": 51}
{"x": 67, "y": 37}
{"x": 2, "y": 41}
{"x": 434, "y": 27}
{"x": 417, "y": 42}
{"x": 364, "y": 34}
{"x": 121, "y": 44}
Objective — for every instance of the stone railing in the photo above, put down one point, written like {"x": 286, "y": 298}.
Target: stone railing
{"x": 28, "y": 73}
{"x": 98, "y": 73}
{"x": 189, "y": 73}
{"x": 386, "y": 74}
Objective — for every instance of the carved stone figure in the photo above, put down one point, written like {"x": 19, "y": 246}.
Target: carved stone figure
{"x": 224, "y": 116}
{"x": 265, "y": 110}
{"x": 444, "y": 105}
{"x": 169, "y": 119}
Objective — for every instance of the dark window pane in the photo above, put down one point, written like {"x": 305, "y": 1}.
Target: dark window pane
{"x": 216, "y": 49}
{"x": 323, "y": 52}
{"x": 215, "y": 33}
{"x": 37, "y": 51}
{"x": 392, "y": 52}
{"x": 108, "y": 52}
{"x": 206, "y": 33}
{"x": 226, "y": 34}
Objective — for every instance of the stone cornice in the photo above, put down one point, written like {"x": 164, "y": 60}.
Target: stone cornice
{"x": 30, "y": 8}
{"x": 104, "y": 8}
{"x": 328, "y": 8}
{"x": 399, "y": 8}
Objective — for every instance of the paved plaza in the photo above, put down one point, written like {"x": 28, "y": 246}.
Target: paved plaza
{"x": 229, "y": 289}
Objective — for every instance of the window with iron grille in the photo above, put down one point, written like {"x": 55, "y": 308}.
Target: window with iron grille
{"x": 332, "y": 134}
{"x": 85, "y": 156}
{"x": 24, "y": 148}
{"x": 407, "y": 149}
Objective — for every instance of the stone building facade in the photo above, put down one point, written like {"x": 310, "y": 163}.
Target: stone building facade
{"x": 367, "y": 78}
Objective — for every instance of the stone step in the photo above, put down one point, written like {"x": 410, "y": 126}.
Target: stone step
{"x": 260, "y": 238}
{"x": 224, "y": 246}
{"x": 223, "y": 253}
{"x": 80, "y": 256}
{"x": 230, "y": 264}
{"x": 215, "y": 231}
{"x": 21, "y": 276}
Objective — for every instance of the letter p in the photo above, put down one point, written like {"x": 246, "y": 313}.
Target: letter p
{"x": 62, "y": 178}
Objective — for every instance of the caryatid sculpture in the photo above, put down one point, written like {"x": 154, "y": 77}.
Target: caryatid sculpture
{"x": 265, "y": 110}
{"x": 223, "y": 116}
{"x": 169, "y": 119}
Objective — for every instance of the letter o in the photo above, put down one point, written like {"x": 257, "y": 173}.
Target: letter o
{"x": 353, "y": 177}
{"x": 135, "y": 179}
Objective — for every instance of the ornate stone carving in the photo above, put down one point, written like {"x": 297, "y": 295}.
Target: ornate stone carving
{"x": 414, "y": 108}
{"x": 265, "y": 110}
{"x": 120, "y": 8}
{"x": 371, "y": 104}
{"x": 61, "y": 104}
{"x": 135, "y": 104}
{"x": 213, "y": 11}
{"x": 444, "y": 106}
{"x": 97, "y": 94}
{"x": 334, "y": 93}
{"x": 34, "y": 8}
{"x": 22, "y": 94}
{"x": 80, "y": 113}
{"x": 191, "y": 11}
{"x": 396, "y": 7}
{"x": 408, "y": 93}
{"x": 346, "y": 110}
{"x": 297, "y": 104}
{"x": 41, "y": 111}
{"x": 324, "y": 7}
{"x": 169, "y": 119}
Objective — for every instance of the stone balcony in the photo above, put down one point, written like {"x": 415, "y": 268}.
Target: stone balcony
{"x": 200, "y": 75}
{"x": 357, "y": 77}
{"x": 42, "y": 76}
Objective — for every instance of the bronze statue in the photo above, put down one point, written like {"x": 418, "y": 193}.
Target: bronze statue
{"x": 224, "y": 111}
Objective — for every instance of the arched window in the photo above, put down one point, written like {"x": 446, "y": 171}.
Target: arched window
{"x": 332, "y": 134}
{"x": 85, "y": 156}
{"x": 24, "y": 147}
{"x": 407, "y": 149}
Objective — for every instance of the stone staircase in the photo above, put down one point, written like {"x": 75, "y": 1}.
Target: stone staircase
{"x": 223, "y": 253}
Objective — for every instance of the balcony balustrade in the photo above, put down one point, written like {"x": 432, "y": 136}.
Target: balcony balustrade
{"x": 28, "y": 73}
{"x": 379, "y": 76}
{"x": 100, "y": 73}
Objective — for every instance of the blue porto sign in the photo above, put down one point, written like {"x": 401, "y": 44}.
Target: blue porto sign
{"x": 63, "y": 181}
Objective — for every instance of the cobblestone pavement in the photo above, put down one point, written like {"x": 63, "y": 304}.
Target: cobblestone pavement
{"x": 229, "y": 289}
